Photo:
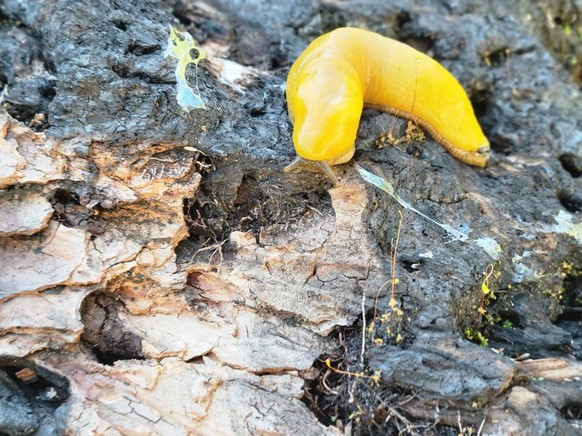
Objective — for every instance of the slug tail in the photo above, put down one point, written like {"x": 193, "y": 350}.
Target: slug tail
{"x": 476, "y": 158}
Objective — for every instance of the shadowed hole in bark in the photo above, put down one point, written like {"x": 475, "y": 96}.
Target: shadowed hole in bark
{"x": 337, "y": 399}
{"x": 139, "y": 49}
{"x": 258, "y": 112}
{"x": 104, "y": 332}
{"x": 347, "y": 391}
{"x": 406, "y": 31}
{"x": 326, "y": 392}
{"x": 121, "y": 69}
{"x": 62, "y": 196}
{"x": 572, "y": 163}
{"x": 403, "y": 19}
{"x": 571, "y": 201}
{"x": 333, "y": 394}
{"x": 205, "y": 220}
{"x": 497, "y": 57}
{"x": 36, "y": 392}
{"x": 569, "y": 319}
{"x": 120, "y": 24}
{"x": 572, "y": 411}
{"x": 49, "y": 92}
{"x": 411, "y": 263}
{"x": 322, "y": 393}
{"x": 71, "y": 213}
{"x": 206, "y": 26}
{"x": 251, "y": 206}
{"x": 255, "y": 204}
{"x": 126, "y": 70}
{"x": 28, "y": 101}
{"x": 208, "y": 224}
{"x": 258, "y": 204}
{"x": 482, "y": 101}
{"x": 183, "y": 16}
{"x": 198, "y": 360}
{"x": 195, "y": 298}
{"x": 331, "y": 18}
{"x": 64, "y": 202}
{"x": 253, "y": 47}
{"x": 423, "y": 44}
{"x": 501, "y": 143}
{"x": 572, "y": 286}
{"x": 509, "y": 319}
{"x": 278, "y": 58}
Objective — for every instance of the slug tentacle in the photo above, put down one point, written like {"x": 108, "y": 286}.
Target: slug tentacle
{"x": 297, "y": 163}
{"x": 325, "y": 168}
{"x": 348, "y": 68}
{"x": 321, "y": 166}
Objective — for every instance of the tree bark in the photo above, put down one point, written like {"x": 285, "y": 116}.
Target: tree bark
{"x": 160, "y": 274}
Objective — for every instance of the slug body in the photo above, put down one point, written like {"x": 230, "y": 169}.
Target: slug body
{"x": 342, "y": 71}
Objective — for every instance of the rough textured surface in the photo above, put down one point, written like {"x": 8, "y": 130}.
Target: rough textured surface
{"x": 148, "y": 254}
{"x": 133, "y": 398}
{"x": 556, "y": 384}
{"x": 16, "y": 415}
{"x": 23, "y": 213}
{"x": 27, "y": 156}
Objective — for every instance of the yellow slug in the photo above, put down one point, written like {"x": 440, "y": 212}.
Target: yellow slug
{"x": 342, "y": 71}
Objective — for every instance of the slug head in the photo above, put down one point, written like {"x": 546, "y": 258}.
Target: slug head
{"x": 325, "y": 104}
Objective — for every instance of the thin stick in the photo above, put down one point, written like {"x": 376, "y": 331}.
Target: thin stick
{"x": 363, "y": 328}
{"x": 376, "y": 299}
{"x": 393, "y": 261}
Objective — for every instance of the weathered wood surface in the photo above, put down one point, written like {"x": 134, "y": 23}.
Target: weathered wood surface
{"x": 159, "y": 274}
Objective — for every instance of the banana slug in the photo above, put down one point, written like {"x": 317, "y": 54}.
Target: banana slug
{"x": 348, "y": 69}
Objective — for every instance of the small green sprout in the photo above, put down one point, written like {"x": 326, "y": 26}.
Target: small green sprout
{"x": 506, "y": 324}
{"x": 476, "y": 336}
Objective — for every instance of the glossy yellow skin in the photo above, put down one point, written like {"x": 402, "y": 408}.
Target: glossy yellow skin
{"x": 342, "y": 71}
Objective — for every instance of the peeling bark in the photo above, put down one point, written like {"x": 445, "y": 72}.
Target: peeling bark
{"x": 23, "y": 214}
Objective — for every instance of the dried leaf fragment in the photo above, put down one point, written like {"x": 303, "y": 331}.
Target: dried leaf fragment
{"x": 185, "y": 49}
